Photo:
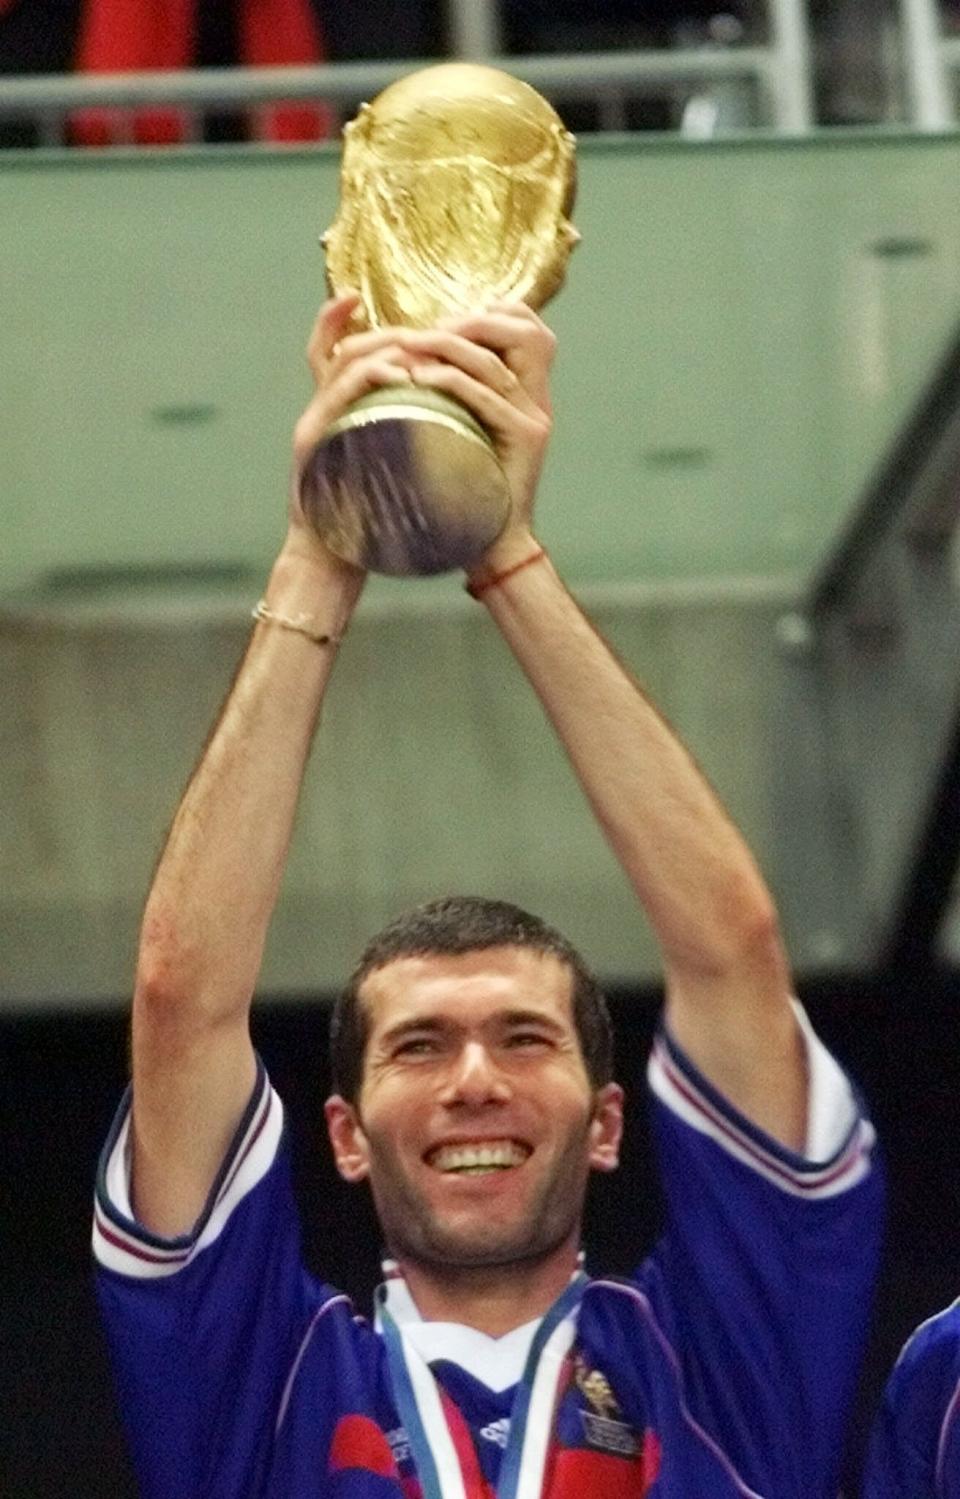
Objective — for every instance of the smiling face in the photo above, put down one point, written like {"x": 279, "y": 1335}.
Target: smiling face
{"x": 476, "y": 1123}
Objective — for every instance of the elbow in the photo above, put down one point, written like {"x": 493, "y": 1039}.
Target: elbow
{"x": 750, "y": 932}
{"x": 167, "y": 977}
{"x": 741, "y": 934}
{"x": 161, "y": 988}
{"x": 180, "y": 987}
{"x": 170, "y": 1012}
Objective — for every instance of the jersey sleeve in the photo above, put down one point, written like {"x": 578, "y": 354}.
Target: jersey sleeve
{"x": 203, "y": 1328}
{"x": 765, "y": 1270}
{"x": 914, "y": 1448}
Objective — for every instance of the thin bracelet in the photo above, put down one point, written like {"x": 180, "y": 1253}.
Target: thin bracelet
{"x": 476, "y": 589}
{"x": 301, "y": 623}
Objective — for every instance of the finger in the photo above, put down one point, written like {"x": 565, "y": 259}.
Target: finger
{"x": 501, "y": 416}
{"x": 524, "y": 343}
{"x": 473, "y": 357}
{"x": 329, "y": 327}
{"x": 516, "y": 309}
{"x": 330, "y": 404}
{"x": 505, "y": 329}
{"x": 358, "y": 378}
{"x": 359, "y": 345}
{"x": 433, "y": 344}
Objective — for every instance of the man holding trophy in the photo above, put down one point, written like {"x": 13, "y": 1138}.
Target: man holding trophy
{"x": 471, "y": 1048}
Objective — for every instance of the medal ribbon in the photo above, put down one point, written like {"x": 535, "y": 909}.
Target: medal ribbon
{"x": 421, "y": 1411}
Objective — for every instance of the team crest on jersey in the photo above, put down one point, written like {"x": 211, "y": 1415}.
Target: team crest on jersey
{"x": 603, "y": 1426}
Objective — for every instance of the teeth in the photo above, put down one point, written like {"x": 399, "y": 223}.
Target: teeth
{"x": 495, "y": 1156}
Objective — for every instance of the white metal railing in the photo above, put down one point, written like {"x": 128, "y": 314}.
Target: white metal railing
{"x": 930, "y": 63}
{"x": 790, "y": 81}
{"x": 779, "y": 71}
{"x": 473, "y": 27}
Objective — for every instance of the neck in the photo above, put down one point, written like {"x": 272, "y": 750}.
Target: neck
{"x": 492, "y": 1298}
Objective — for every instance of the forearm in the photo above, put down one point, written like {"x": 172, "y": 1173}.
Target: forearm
{"x": 689, "y": 865}
{"x": 727, "y": 980}
{"x": 217, "y": 881}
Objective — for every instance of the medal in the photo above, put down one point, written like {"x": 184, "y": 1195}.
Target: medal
{"x": 420, "y": 1406}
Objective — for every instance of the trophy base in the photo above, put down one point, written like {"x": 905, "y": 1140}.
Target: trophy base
{"x": 405, "y": 483}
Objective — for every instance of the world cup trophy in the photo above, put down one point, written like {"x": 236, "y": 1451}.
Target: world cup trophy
{"x": 456, "y": 187}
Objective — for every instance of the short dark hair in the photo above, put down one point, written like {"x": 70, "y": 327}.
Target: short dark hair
{"x": 460, "y": 924}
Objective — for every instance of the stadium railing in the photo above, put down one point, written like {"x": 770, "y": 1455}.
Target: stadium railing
{"x": 931, "y": 60}
{"x": 779, "y": 72}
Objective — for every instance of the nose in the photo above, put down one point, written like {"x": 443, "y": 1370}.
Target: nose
{"x": 475, "y": 1079}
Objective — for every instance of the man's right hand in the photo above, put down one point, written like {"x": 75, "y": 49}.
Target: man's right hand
{"x": 344, "y": 368}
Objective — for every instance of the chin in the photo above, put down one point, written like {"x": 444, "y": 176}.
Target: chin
{"x": 468, "y": 1249}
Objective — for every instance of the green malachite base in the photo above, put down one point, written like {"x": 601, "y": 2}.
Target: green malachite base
{"x": 406, "y": 483}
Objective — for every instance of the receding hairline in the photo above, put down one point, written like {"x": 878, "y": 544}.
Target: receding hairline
{"x": 428, "y": 954}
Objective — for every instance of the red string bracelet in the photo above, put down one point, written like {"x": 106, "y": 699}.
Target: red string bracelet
{"x": 476, "y": 589}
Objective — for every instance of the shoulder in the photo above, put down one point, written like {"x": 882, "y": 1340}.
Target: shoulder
{"x": 915, "y": 1441}
{"x": 928, "y": 1368}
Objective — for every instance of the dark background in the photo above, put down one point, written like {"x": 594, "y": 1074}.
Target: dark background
{"x": 38, "y": 36}
{"x": 61, "y": 1076}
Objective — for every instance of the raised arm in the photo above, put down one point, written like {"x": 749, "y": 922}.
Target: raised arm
{"x": 728, "y": 988}
{"x": 726, "y": 977}
{"x": 214, "y": 891}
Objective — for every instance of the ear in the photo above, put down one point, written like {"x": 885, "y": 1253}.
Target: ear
{"x": 606, "y": 1128}
{"x": 347, "y": 1139}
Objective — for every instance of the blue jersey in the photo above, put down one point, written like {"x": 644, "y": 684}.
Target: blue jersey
{"x": 723, "y": 1367}
{"x": 915, "y": 1449}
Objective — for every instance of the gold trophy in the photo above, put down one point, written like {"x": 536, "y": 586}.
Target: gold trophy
{"x": 455, "y": 190}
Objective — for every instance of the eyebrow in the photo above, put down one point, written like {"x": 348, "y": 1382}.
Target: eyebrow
{"x": 409, "y": 1027}
{"x": 432, "y": 1024}
{"x": 531, "y": 1017}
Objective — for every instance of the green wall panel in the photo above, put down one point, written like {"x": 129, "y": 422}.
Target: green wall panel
{"x": 744, "y": 327}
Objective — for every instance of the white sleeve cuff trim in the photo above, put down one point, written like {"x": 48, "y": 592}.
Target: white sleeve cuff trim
{"x": 123, "y": 1245}
{"x": 119, "y": 1173}
{"x": 834, "y": 1121}
{"x": 831, "y": 1106}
